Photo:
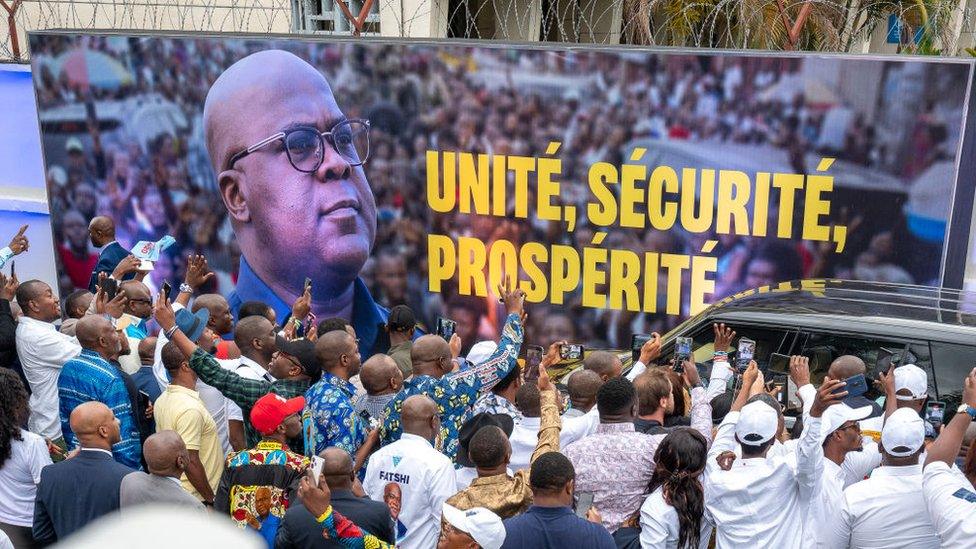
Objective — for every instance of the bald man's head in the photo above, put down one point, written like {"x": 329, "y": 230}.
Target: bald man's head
{"x": 166, "y": 454}
{"x": 607, "y": 365}
{"x": 281, "y": 212}
{"x": 431, "y": 356}
{"x": 95, "y": 426}
{"x": 96, "y": 333}
{"x": 138, "y": 298}
{"x": 147, "y": 350}
{"x": 101, "y": 230}
{"x": 582, "y": 387}
{"x": 380, "y": 375}
{"x": 255, "y": 337}
{"x": 337, "y": 468}
{"x": 419, "y": 416}
{"x": 338, "y": 353}
{"x": 846, "y": 366}
{"x": 221, "y": 320}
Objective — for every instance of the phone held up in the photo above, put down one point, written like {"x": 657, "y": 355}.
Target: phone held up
{"x": 682, "y": 352}
{"x": 855, "y": 386}
{"x": 109, "y": 287}
{"x": 571, "y": 351}
{"x": 583, "y": 503}
{"x": 935, "y": 413}
{"x": 533, "y": 357}
{"x": 166, "y": 288}
{"x": 446, "y": 328}
{"x": 745, "y": 352}
{"x": 636, "y": 342}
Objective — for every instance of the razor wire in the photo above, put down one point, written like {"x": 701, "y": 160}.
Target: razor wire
{"x": 944, "y": 27}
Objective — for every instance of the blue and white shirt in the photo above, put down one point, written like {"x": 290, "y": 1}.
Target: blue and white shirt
{"x": 89, "y": 377}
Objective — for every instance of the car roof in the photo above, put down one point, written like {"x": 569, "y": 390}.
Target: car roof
{"x": 850, "y": 305}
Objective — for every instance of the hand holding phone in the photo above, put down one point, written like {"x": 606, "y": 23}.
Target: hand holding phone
{"x": 682, "y": 352}
{"x": 935, "y": 413}
{"x": 446, "y": 328}
{"x": 571, "y": 351}
{"x": 745, "y": 353}
{"x": 583, "y": 503}
{"x": 637, "y": 341}
{"x": 855, "y": 386}
{"x": 109, "y": 287}
{"x": 533, "y": 357}
{"x": 166, "y": 288}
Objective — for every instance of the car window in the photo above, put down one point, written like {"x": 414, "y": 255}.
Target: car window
{"x": 768, "y": 341}
{"x": 952, "y": 363}
{"x": 823, "y": 348}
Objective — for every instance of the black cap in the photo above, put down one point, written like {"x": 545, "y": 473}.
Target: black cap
{"x": 401, "y": 319}
{"x": 473, "y": 425}
{"x": 304, "y": 351}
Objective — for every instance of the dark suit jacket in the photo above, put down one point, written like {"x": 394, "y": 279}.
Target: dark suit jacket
{"x": 74, "y": 492}
{"x": 108, "y": 260}
{"x": 300, "y": 531}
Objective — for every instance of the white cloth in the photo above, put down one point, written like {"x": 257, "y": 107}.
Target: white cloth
{"x": 43, "y": 350}
{"x": 884, "y": 511}
{"x": 951, "y": 503}
{"x": 5, "y": 542}
{"x": 828, "y": 497}
{"x": 659, "y": 524}
{"x": 425, "y": 478}
{"x": 525, "y": 435}
{"x": 220, "y": 407}
{"x": 760, "y": 501}
{"x": 248, "y": 369}
{"x": 19, "y": 478}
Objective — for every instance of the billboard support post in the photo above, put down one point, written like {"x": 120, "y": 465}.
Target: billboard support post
{"x": 12, "y": 25}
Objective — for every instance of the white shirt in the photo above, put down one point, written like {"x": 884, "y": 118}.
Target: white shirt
{"x": 43, "y": 350}
{"x": 951, "y": 503}
{"x": 248, "y": 369}
{"x": 828, "y": 497}
{"x": 425, "y": 478}
{"x": 19, "y": 477}
{"x": 659, "y": 524}
{"x": 760, "y": 501}
{"x": 884, "y": 511}
{"x": 525, "y": 435}
{"x": 220, "y": 407}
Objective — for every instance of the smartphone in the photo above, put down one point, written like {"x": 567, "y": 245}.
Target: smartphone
{"x": 308, "y": 283}
{"x": 571, "y": 351}
{"x": 166, "y": 289}
{"x": 779, "y": 364}
{"x": 446, "y": 328}
{"x": 636, "y": 342}
{"x": 583, "y": 503}
{"x": 856, "y": 386}
{"x": 682, "y": 352}
{"x": 110, "y": 287}
{"x": 935, "y": 412}
{"x": 144, "y": 400}
{"x": 783, "y": 396}
{"x": 745, "y": 353}
{"x": 533, "y": 356}
{"x": 316, "y": 468}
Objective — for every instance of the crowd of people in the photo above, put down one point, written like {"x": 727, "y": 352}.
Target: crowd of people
{"x": 283, "y": 429}
{"x": 418, "y": 99}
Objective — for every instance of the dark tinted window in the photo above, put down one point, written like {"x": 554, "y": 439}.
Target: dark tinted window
{"x": 952, "y": 364}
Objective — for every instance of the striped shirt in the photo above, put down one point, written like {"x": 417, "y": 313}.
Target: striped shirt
{"x": 89, "y": 377}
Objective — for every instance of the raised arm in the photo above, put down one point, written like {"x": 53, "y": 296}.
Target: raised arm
{"x": 549, "y": 424}
{"x": 809, "y": 452}
{"x": 946, "y": 447}
{"x": 505, "y": 357}
{"x": 649, "y": 351}
{"x": 725, "y": 437}
{"x": 701, "y": 406}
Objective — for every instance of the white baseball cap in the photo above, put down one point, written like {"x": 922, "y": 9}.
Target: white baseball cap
{"x": 758, "y": 423}
{"x": 839, "y": 414}
{"x": 912, "y": 378}
{"x": 903, "y": 433}
{"x": 481, "y": 351}
{"x": 482, "y": 525}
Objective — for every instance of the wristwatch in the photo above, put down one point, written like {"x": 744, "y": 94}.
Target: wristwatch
{"x": 967, "y": 409}
{"x": 186, "y": 288}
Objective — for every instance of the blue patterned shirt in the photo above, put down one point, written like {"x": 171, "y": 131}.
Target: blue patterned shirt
{"x": 455, "y": 394}
{"x": 89, "y": 377}
{"x": 497, "y": 405}
{"x": 329, "y": 418}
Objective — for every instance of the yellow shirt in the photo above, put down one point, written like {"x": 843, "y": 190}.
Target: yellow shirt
{"x": 180, "y": 409}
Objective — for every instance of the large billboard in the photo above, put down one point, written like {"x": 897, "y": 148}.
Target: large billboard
{"x": 626, "y": 188}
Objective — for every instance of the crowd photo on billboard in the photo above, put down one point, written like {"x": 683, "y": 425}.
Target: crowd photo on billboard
{"x": 145, "y": 141}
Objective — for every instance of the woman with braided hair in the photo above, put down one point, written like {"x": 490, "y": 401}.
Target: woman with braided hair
{"x": 22, "y": 456}
{"x": 672, "y": 517}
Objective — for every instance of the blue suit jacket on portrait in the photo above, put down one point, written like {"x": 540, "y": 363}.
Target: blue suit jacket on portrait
{"x": 109, "y": 258}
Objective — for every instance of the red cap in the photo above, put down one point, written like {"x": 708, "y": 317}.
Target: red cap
{"x": 271, "y": 409}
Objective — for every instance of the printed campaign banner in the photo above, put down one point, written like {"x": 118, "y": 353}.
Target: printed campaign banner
{"x": 624, "y": 188}
{"x": 23, "y": 191}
